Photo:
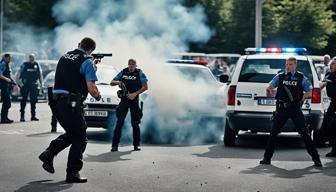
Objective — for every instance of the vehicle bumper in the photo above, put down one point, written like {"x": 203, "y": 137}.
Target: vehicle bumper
{"x": 261, "y": 121}
{"x": 104, "y": 122}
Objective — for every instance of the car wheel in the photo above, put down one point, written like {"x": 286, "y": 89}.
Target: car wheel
{"x": 229, "y": 135}
{"x": 318, "y": 138}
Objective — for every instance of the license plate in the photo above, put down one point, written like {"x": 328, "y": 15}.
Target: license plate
{"x": 266, "y": 101}
{"x": 96, "y": 113}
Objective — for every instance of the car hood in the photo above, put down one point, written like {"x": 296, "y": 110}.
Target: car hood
{"x": 108, "y": 96}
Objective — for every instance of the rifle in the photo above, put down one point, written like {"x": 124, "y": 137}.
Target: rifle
{"x": 123, "y": 92}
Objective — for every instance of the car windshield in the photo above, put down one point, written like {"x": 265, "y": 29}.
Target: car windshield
{"x": 105, "y": 75}
{"x": 193, "y": 73}
{"x": 263, "y": 70}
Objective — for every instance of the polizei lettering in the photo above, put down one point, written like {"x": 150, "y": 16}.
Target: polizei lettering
{"x": 71, "y": 56}
{"x": 294, "y": 83}
{"x": 129, "y": 77}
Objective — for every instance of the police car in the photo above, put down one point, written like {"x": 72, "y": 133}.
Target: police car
{"x": 102, "y": 113}
{"x": 248, "y": 107}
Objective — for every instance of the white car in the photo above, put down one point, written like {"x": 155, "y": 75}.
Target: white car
{"x": 102, "y": 113}
{"x": 248, "y": 107}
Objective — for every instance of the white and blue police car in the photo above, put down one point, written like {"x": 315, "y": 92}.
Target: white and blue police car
{"x": 247, "y": 106}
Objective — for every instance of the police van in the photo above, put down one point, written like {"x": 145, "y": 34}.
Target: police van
{"x": 249, "y": 109}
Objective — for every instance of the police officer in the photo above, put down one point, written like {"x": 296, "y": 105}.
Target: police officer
{"x": 293, "y": 89}
{"x": 5, "y": 86}
{"x": 328, "y": 128}
{"x": 66, "y": 102}
{"x": 30, "y": 73}
{"x": 135, "y": 82}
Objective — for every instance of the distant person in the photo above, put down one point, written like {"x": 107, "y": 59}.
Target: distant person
{"x": 292, "y": 89}
{"x": 6, "y": 83}
{"x": 75, "y": 77}
{"x": 328, "y": 127}
{"x": 326, "y": 60}
{"x": 29, "y": 75}
{"x": 135, "y": 82}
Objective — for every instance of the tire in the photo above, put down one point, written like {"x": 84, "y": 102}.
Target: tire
{"x": 229, "y": 135}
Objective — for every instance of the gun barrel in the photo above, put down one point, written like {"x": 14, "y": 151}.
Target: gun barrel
{"x": 101, "y": 55}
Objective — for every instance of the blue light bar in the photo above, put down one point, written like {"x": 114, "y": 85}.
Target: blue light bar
{"x": 299, "y": 51}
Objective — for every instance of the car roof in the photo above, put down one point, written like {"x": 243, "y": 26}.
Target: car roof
{"x": 276, "y": 56}
{"x": 223, "y": 55}
{"x": 187, "y": 65}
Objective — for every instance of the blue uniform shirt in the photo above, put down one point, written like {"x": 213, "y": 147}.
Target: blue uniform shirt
{"x": 306, "y": 85}
{"x": 143, "y": 78}
{"x": 86, "y": 69}
{"x": 2, "y": 67}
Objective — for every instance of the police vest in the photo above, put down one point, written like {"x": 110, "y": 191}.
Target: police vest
{"x": 30, "y": 72}
{"x": 68, "y": 76}
{"x": 331, "y": 87}
{"x": 131, "y": 80}
{"x": 6, "y": 72}
{"x": 294, "y": 86}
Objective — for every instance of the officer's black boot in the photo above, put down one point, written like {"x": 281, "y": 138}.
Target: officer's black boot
{"x": 34, "y": 118}
{"x": 317, "y": 162}
{"x": 114, "y": 148}
{"x": 22, "y": 118}
{"x": 75, "y": 178}
{"x": 265, "y": 161}
{"x": 137, "y": 148}
{"x": 4, "y": 118}
{"x": 47, "y": 158}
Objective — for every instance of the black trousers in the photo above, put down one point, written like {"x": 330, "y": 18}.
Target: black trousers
{"x": 136, "y": 115}
{"x": 31, "y": 90}
{"x": 279, "y": 121}
{"x": 6, "y": 101}
{"x": 75, "y": 134}
{"x": 328, "y": 125}
{"x": 53, "y": 121}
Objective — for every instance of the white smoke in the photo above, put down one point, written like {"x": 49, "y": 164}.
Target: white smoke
{"x": 148, "y": 31}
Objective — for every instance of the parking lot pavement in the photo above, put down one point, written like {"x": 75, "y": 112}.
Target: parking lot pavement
{"x": 158, "y": 167}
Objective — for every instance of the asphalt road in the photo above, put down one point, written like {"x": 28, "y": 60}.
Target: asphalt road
{"x": 210, "y": 167}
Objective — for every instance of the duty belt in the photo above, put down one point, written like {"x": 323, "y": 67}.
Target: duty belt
{"x": 74, "y": 100}
{"x": 286, "y": 105}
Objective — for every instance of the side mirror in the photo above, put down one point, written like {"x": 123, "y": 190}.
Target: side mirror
{"x": 224, "y": 78}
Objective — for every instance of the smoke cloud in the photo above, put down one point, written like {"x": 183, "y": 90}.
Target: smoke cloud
{"x": 148, "y": 31}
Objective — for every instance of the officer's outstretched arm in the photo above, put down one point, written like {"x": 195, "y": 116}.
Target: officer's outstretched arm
{"x": 93, "y": 90}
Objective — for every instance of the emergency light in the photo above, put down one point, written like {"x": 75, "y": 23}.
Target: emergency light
{"x": 299, "y": 51}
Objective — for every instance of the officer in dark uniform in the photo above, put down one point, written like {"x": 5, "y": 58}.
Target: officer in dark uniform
{"x": 5, "y": 86}
{"x": 135, "y": 82}
{"x": 328, "y": 125}
{"x": 30, "y": 73}
{"x": 66, "y": 102}
{"x": 293, "y": 89}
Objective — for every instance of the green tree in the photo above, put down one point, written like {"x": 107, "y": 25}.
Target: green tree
{"x": 301, "y": 23}
{"x": 32, "y": 12}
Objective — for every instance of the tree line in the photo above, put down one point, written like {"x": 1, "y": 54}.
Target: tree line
{"x": 285, "y": 23}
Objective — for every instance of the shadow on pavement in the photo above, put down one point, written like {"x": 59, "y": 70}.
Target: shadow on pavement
{"x": 43, "y": 134}
{"x": 330, "y": 168}
{"x": 252, "y": 147}
{"x": 282, "y": 173}
{"x": 44, "y": 185}
{"x": 107, "y": 157}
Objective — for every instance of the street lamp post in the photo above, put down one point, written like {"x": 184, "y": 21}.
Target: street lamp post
{"x": 258, "y": 23}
